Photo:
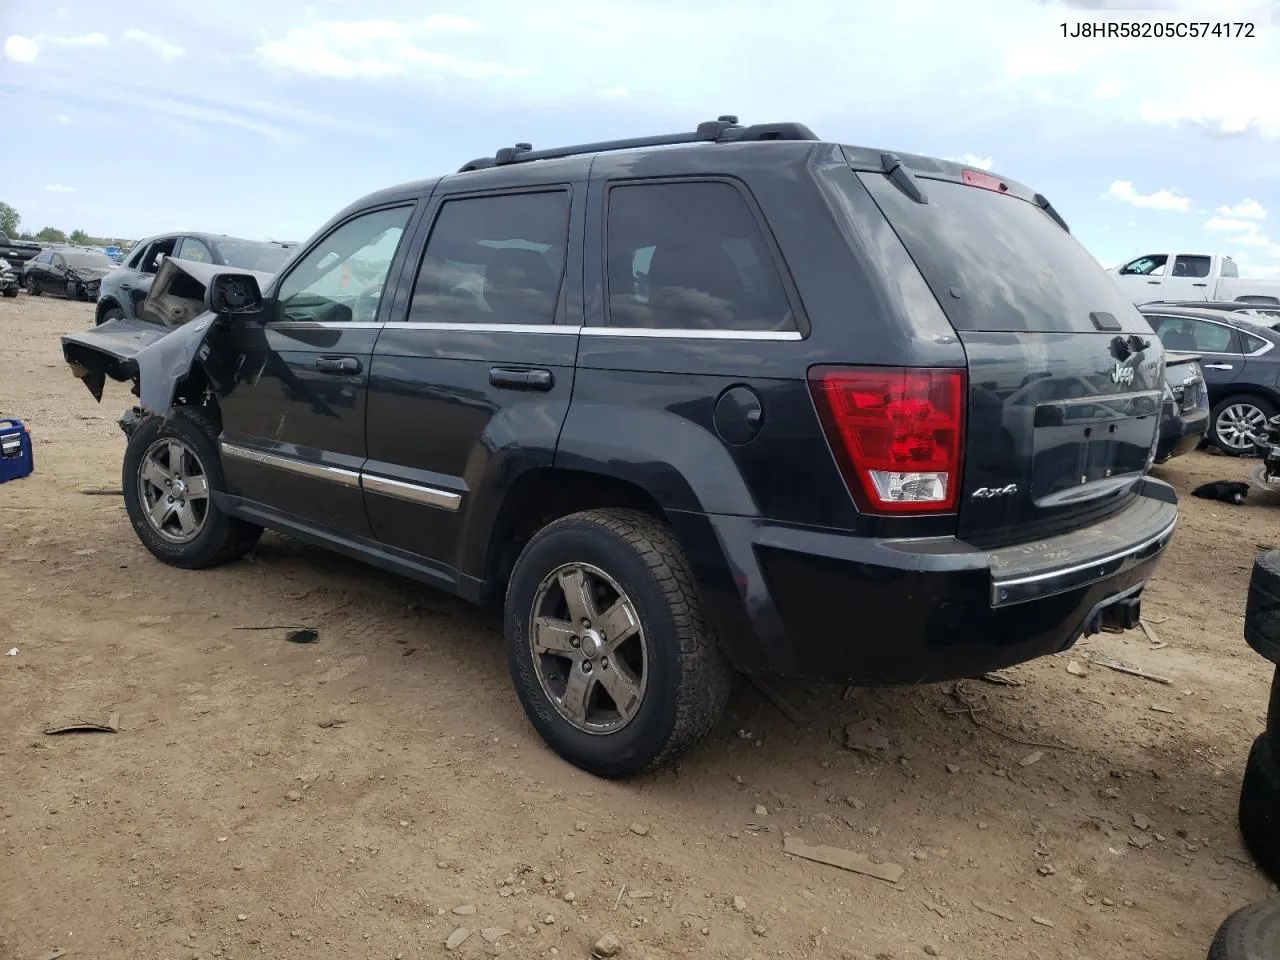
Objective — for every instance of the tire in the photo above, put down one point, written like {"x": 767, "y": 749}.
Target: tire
{"x": 1226, "y": 420}
{"x": 1251, "y": 933}
{"x": 11, "y": 293}
{"x": 1262, "y": 607}
{"x": 215, "y": 537}
{"x": 33, "y": 287}
{"x": 1259, "y": 813}
{"x": 115, "y": 313}
{"x": 682, "y": 679}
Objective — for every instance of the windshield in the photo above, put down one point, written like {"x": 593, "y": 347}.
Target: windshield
{"x": 999, "y": 263}
{"x": 251, "y": 255}
{"x": 77, "y": 258}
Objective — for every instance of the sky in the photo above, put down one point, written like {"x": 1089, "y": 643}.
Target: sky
{"x": 263, "y": 119}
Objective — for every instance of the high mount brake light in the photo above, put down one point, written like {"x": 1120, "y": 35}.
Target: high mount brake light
{"x": 984, "y": 180}
{"x": 897, "y": 433}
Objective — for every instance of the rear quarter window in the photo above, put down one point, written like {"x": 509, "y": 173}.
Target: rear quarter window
{"x": 998, "y": 263}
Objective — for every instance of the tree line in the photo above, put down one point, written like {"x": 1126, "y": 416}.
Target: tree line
{"x": 11, "y": 223}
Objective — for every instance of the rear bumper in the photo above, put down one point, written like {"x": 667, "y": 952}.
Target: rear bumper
{"x": 1180, "y": 432}
{"x": 829, "y": 607}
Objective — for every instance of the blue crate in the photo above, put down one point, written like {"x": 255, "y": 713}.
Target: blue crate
{"x": 16, "y": 459}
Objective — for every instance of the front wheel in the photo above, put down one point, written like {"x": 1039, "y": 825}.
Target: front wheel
{"x": 1238, "y": 424}
{"x": 33, "y": 287}
{"x": 10, "y": 291}
{"x": 171, "y": 470}
{"x": 611, "y": 655}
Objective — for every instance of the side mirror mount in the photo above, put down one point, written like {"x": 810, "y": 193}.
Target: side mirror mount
{"x": 234, "y": 294}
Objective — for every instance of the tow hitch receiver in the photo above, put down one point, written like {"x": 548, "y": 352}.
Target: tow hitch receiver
{"x": 1119, "y": 616}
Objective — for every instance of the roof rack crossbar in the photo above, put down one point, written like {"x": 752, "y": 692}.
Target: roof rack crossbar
{"x": 722, "y": 130}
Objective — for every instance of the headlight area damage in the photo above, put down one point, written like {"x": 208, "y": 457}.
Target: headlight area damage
{"x": 173, "y": 352}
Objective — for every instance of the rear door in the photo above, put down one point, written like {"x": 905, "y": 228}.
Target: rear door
{"x": 1190, "y": 279}
{"x": 1217, "y": 343}
{"x": 1065, "y": 376}
{"x": 470, "y": 385}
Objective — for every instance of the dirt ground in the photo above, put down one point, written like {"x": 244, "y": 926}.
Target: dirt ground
{"x": 367, "y": 795}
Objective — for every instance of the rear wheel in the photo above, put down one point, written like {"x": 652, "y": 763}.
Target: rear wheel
{"x": 171, "y": 470}
{"x": 611, "y": 655}
{"x": 115, "y": 313}
{"x": 1251, "y": 933}
{"x": 1238, "y": 424}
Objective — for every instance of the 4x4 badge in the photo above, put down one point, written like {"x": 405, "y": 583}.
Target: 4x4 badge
{"x": 1122, "y": 375}
{"x": 986, "y": 493}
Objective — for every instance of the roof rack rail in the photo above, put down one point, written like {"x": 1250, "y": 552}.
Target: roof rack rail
{"x": 724, "y": 129}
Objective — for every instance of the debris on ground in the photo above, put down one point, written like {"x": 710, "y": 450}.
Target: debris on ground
{"x": 110, "y": 725}
{"x": 53, "y": 954}
{"x": 494, "y": 934}
{"x": 1031, "y": 758}
{"x": 331, "y": 723}
{"x": 739, "y": 905}
{"x": 1075, "y": 669}
{"x": 865, "y": 736}
{"x": 1041, "y": 920}
{"x": 761, "y": 810}
{"x": 1152, "y": 637}
{"x": 1121, "y": 667}
{"x": 1000, "y": 678}
{"x": 102, "y": 492}
{"x": 457, "y": 938}
{"x": 465, "y": 910}
{"x": 778, "y": 700}
{"x": 843, "y": 859}
{"x": 1160, "y": 709}
{"x": 13, "y": 652}
{"x": 607, "y": 946}
{"x": 639, "y": 829}
{"x": 302, "y": 636}
{"x": 995, "y": 912}
{"x": 1142, "y": 821}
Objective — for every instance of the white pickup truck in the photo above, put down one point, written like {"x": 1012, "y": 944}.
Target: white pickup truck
{"x": 1191, "y": 276}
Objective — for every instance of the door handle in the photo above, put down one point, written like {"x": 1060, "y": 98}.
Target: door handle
{"x": 1199, "y": 284}
{"x": 525, "y": 379}
{"x": 338, "y": 365}
{"x": 1154, "y": 282}
{"x": 1218, "y": 366}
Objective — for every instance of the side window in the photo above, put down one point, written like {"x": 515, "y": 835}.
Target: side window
{"x": 57, "y": 261}
{"x": 1213, "y": 337}
{"x": 1152, "y": 265}
{"x": 1250, "y": 343}
{"x": 1229, "y": 268}
{"x": 495, "y": 259}
{"x": 137, "y": 258}
{"x": 161, "y": 248}
{"x": 341, "y": 278}
{"x": 1195, "y": 267}
{"x": 690, "y": 256}
{"x": 192, "y": 249}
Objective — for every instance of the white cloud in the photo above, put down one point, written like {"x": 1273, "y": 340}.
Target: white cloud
{"x": 21, "y": 49}
{"x": 1229, "y": 224}
{"x": 164, "y": 49}
{"x": 1108, "y": 89}
{"x": 59, "y": 188}
{"x": 381, "y": 49}
{"x": 61, "y": 118}
{"x": 83, "y": 40}
{"x": 1123, "y": 190}
{"x": 1246, "y": 209}
{"x": 972, "y": 160}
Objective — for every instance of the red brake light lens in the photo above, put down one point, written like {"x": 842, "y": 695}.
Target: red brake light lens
{"x": 898, "y": 434}
{"x": 984, "y": 180}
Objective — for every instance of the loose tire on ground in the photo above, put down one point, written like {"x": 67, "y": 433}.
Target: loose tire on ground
{"x": 1259, "y": 812}
{"x": 686, "y": 680}
{"x": 1251, "y": 933}
{"x": 1219, "y": 416}
{"x": 221, "y": 538}
{"x": 1262, "y": 607}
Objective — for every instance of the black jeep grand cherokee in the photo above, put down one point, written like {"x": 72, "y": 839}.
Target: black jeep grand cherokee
{"x": 764, "y": 402}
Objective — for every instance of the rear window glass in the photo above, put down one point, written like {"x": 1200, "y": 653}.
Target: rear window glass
{"x": 1012, "y": 267}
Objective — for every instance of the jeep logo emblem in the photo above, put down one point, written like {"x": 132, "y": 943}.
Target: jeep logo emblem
{"x": 1122, "y": 375}
{"x": 986, "y": 493}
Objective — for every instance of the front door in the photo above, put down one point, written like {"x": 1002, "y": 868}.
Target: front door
{"x": 469, "y": 388}
{"x": 293, "y": 439}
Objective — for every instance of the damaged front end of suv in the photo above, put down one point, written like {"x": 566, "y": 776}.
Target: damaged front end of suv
{"x": 171, "y": 353}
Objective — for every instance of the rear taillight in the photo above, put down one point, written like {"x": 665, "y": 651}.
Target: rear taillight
{"x": 897, "y": 433}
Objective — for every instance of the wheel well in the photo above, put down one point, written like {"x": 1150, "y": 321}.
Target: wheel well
{"x": 540, "y": 497}
{"x": 104, "y": 306}
{"x": 1258, "y": 298}
{"x": 1252, "y": 392}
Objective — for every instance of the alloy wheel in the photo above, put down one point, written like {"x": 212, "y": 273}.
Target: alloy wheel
{"x": 174, "y": 489}
{"x": 588, "y": 648}
{"x": 1241, "y": 427}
